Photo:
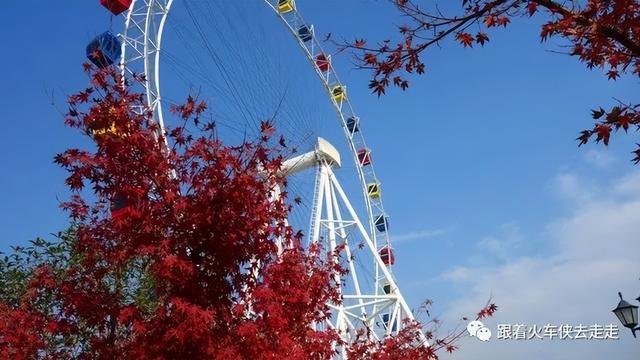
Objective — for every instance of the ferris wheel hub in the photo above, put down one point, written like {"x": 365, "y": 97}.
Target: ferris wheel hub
{"x": 323, "y": 152}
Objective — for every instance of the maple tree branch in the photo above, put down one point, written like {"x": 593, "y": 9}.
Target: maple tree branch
{"x": 607, "y": 31}
{"x": 461, "y": 22}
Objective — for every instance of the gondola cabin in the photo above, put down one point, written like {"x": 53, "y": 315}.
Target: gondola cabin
{"x": 285, "y": 6}
{"x": 373, "y": 189}
{"x": 386, "y": 254}
{"x": 104, "y": 50}
{"x": 339, "y": 93}
{"x": 353, "y": 125}
{"x": 364, "y": 156}
{"x": 323, "y": 62}
{"x": 108, "y": 130}
{"x": 120, "y": 207}
{"x": 116, "y": 7}
{"x": 305, "y": 33}
{"x": 382, "y": 223}
{"x": 386, "y": 288}
{"x": 98, "y": 129}
{"x": 385, "y": 320}
{"x": 124, "y": 206}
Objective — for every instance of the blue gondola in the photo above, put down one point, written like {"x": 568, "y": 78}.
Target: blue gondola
{"x": 305, "y": 33}
{"x": 119, "y": 207}
{"x": 382, "y": 223}
{"x": 104, "y": 50}
{"x": 385, "y": 320}
{"x": 352, "y": 124}
{"x": 387, "y": 288}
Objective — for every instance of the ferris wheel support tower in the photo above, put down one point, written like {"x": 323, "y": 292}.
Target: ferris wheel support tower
{"x": 359, "y": 309}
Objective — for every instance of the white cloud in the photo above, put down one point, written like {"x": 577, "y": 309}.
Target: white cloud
{"x": 600, "y": 158}
{"x": 500, "y": 246}
{"x": 571, "y": 188}
{"x": 418, "y": 235}
{"x": 595, "y": 252}
{"x": 628, "y": 185}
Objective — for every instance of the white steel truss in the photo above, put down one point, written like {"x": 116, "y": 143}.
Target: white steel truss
{"x": 377, "y": 307}
{"x": 141, "y": 44}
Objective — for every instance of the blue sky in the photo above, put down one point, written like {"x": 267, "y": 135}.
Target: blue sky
{"x": 480, "y": 171}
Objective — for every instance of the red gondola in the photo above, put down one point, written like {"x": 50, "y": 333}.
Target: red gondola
{"x": 116, "y": 7}
{"x": 386, "y": 254}
{"x": 364, "y": 156}
{"x": 322, "y": 62}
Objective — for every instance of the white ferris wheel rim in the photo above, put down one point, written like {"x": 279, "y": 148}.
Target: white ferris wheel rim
{"x": 141, "y": 49}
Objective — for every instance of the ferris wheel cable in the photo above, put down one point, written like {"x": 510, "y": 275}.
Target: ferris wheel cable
{"x": 244, "y": 25}
{"x": 219, "y": 121}
{"x": 261, "y": 55}
{"x": 229, "y": 49}
{"x": 252, "y": 96}
{"x": 177, "y": 66}
{"x": 296, "y": 187}
{"x": 220, "y": 66}
{"x": 187, "y": 66}
{"x": 208, "y": 79}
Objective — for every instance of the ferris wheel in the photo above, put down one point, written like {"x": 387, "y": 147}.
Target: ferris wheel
{"x": 371, "y": 297}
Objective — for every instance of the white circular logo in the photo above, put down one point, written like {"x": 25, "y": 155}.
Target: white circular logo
{"x": 474, "y": 326}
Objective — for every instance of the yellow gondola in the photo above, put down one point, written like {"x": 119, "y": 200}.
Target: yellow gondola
{"x": 339, "y": 93}
{"x": 285, "y": 6}
{"x": 373, "y": 189}
{"x": 111, "y": 130}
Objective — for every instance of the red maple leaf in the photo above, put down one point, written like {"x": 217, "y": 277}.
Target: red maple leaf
{"x": 465, "y": 39}
{"x": 481, "y": 38}
{"x": 359, "y": 43}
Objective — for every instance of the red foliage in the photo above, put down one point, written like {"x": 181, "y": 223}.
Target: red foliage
{"x": 465, "y": 39}
{"x": 194, "y": 271}
{"x": 17, "y": 339}
{"x": 487, "y": 311}
{"x": 204, "y": 237}
{"x": 401, "y": 346}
